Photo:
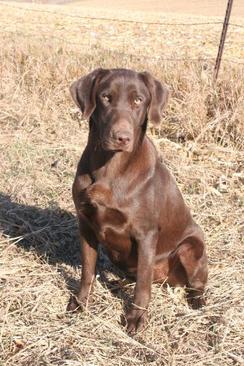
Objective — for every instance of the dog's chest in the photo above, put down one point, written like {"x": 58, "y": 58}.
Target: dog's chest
{"x": 109, "y": 220}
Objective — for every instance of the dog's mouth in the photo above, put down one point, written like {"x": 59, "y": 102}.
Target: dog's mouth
{"x": 109, "y": 145}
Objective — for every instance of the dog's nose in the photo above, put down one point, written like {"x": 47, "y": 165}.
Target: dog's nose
{"x": 122, "y": 137}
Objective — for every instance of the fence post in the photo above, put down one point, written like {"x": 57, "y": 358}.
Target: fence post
{"x": 222, "y": 39}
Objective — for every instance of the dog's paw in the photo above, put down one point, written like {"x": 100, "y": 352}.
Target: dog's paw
{"x": 135, "y": 321}
{"x": 196, "y": 299}
{"x": 197, "y": 302}
{"x": 73, "y": 305}
{"x": 99, "y": 194}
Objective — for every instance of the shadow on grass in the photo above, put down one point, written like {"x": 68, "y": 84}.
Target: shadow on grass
{"x": 52, "y": 234}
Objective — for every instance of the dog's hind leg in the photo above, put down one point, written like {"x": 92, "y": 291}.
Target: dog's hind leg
{"x": 193, "y": 258}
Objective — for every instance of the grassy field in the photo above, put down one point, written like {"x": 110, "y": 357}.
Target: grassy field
{"x": 41, "y": 138}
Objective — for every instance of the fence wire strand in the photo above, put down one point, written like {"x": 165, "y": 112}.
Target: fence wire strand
{"x": 236, "y": 25}
{"x": 109, "y": 19}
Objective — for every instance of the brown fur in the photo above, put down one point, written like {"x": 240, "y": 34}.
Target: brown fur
{"x": 126, "y": 199}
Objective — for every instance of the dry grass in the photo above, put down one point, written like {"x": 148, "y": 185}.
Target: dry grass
{"x": 42, "y": 136}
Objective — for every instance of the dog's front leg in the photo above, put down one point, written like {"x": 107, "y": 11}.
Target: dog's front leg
{"x": 137, "y": 315}
{"x": 89, "y": 247}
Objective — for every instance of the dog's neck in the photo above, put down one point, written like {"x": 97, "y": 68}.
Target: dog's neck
{"x": 112, "y": 164}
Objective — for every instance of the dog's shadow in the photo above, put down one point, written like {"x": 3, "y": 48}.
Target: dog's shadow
{"x": 52, "y": 233}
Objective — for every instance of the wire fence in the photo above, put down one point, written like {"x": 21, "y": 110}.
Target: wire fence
{"x": 92, "y": 47}
{"x": 103, "y": 18}
{"x": 114, "y": 52}
{"x": 110, "y": 19}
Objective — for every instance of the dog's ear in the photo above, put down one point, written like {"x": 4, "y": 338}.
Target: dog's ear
{"x": 83, "y": 91}
{"x": 159, "y": 97}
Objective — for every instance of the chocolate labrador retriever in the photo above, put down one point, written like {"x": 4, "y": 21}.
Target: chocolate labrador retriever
{"x": 126, "y": 199}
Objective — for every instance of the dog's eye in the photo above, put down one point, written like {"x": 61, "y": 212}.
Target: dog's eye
{"x": 138, "y": 100}
{"x": 106, "y": 98}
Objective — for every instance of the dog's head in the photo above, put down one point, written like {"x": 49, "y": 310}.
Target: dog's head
{"x": 118, "y": 103}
